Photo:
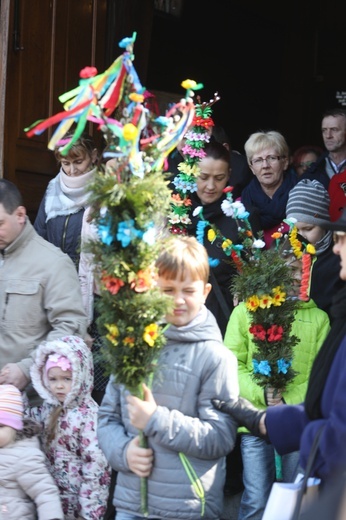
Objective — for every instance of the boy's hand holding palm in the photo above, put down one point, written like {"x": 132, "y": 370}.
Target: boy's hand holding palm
{"x": 140, "y": 460}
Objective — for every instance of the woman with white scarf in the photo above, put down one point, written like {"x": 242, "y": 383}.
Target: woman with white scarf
{"x": 60, "y": 215}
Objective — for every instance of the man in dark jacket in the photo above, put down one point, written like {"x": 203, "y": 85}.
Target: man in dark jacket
{"x": 333, "y": 161}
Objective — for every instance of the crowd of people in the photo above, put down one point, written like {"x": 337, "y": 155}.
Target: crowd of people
{"x": 66, "y": 427}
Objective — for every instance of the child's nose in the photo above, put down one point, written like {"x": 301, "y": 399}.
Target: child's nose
{"x": 179, "y": 299}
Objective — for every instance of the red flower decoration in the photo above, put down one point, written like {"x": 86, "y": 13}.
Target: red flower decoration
{"x": 113, "y": 285}
{"x": 228, "y": 189}
{"x": 258, "y": 331}
{"x": 88, "y": 72}
{"x": 275, "y": 333}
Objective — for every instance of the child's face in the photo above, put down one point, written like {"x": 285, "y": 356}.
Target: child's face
{"x": 7, "y": 435}
{"x": 60, "y": 382}
{"x": 188, "y": 296}
{"x": 312, "y": 234}
{"x": 296, "y": 269}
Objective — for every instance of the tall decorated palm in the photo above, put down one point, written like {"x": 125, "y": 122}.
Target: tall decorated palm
{"x": 130, "y": 202}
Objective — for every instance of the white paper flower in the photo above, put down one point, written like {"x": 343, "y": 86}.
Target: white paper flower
{"x": 197, "y": 211}
{"x": 174, "y": 219}
{"x": 238, "y": 207}
{"x": 258, "y": 244}
{"x": 227, "y": 208}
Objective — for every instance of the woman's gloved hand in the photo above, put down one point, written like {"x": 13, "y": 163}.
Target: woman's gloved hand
{"x": 245, "y": 414}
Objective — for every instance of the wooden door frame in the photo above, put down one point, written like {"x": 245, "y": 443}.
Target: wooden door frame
{"x": 4, "y": 31}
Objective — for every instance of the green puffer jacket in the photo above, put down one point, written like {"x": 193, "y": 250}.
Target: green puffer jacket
{"x": 311, "y": 325}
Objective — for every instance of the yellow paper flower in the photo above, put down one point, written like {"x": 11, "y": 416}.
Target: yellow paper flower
{"x": 113, "y": 329}
{"x": 252, "y": 303}
{"x": 265, "y": 301}
{"x": 310, "y": 249}
{"x": 113, "y": 333}
{"x": 211, "y": 235}
{"x": 193, "y": 170}
{"x": 150, "y": 334}
{"x": 188, "y": 83}
{"x": 136, "y": 97}
{"x": 130, "y": 132}
{"x": 226, "y": 244}
{"x": 295, "y": 243}
{"x": 279, "y": 296}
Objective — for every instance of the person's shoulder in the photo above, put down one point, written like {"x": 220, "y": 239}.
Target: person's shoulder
{"x": 317, "y": 315}
{"x": 40, "y": 244}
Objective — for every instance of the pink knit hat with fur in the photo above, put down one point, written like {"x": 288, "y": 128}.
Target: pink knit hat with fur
{"x": 11, "y": 407}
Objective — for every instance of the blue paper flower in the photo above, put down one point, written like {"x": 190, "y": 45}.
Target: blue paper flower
{"x": 283, "y": 365}
{"x": 262, "y": 367}
{"x": 214, "y": 262}
{"x": 104, "y": 234}
{"x": 201, "y": 225}
{"x": 127, "y": 232}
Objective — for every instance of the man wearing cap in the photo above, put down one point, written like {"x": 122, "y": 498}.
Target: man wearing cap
{"x": 308, "y": 203}
{"x": 40, "y": 296}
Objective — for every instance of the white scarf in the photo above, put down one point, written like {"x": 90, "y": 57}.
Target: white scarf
{"x": 66, "y": 195}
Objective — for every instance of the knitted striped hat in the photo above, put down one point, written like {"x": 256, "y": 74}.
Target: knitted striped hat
{"x": 11, "y": 407}
{"x": 308, "y": 202}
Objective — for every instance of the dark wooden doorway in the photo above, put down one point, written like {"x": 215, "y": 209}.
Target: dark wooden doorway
{"x": 49, "y": 42}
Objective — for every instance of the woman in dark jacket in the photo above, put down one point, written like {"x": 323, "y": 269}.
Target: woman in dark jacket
{"x": 267, "y": 154}
{"x": 60, "y": 215}
{"x": 208, "y": 194}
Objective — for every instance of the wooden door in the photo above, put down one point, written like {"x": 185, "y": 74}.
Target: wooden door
{"x": 49, "y": 42}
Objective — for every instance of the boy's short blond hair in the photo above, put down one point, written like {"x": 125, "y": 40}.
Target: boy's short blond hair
{"x": 183, "y": 255}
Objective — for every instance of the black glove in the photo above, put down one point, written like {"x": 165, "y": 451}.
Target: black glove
{"x": 244, "y": 413}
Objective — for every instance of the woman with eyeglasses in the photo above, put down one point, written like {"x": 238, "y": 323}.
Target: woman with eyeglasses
{"x": 268, "y": 157}
{"x": 304, "y": 157}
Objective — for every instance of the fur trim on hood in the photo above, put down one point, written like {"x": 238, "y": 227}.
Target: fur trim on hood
{"x": 80, "y": 357}
{"x": 31, "y": 428}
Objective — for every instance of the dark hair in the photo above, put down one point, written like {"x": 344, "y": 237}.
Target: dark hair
{"x": 303, "y": 150}
{"x": 220, "y": 134}
{"x": 217, "y": 150}
{"x": 334, "y": 112}
{"x": 10, "y": 196}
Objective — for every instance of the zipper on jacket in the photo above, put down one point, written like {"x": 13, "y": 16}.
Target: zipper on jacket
{"x": 5, "y": 306}
{"x": 64, "y": 234}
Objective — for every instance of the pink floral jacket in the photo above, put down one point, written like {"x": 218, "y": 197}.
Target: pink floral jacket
{"x": 76, "y": 461}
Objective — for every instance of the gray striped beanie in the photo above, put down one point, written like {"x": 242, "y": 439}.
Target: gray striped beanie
{"x": 308, "y": 202}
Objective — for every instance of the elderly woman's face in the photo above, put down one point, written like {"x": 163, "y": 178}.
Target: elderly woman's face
{"x": 269, "y": 167}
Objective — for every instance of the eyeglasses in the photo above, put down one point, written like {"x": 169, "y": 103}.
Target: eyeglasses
{"x": 338, "y": 236}
{"x": 270, "y": 159}
{"x": 305, "y": 164}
